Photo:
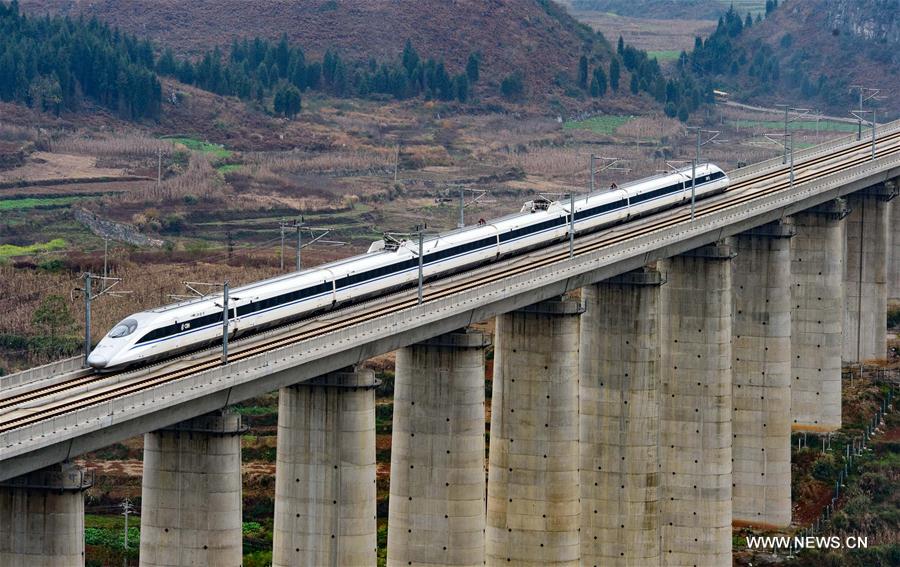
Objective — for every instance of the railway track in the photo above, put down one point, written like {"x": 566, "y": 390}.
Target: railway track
{"x": 738, "y": 193}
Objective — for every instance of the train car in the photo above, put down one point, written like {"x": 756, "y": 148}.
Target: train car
{"x": 389, "y": 265}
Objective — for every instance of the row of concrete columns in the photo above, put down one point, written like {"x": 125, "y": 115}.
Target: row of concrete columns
{"x": 631, "y": 427}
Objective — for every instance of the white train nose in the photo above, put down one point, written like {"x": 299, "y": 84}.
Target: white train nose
{"x": 96, "y": 360}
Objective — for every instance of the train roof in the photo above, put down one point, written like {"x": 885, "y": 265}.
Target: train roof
{"x": 429, "y": 239}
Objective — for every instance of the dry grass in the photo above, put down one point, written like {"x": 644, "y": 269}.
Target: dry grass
{"x": 199, "y": 180}
{"x": 121, "y": 144}
{"x": 650, "y": 127}
{"x": 552, "y": 162}
{"x": 336, "y": 162}
{"x": 14, "y": 133}
{"x": 23, "y": 289}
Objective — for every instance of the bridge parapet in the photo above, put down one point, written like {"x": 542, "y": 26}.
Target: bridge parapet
{"x": 51, "y": 440}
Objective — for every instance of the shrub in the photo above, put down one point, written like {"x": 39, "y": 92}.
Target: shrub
{"x": 824, "y": 468}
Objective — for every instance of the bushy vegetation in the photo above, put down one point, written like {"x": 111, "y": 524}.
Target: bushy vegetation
{"x": 8, "y": 250}
{"x": 256, "y": 69}
{"x": 680, "y": 95}
{"x": 53, "y": 64}
{"x": 722, "y": 56}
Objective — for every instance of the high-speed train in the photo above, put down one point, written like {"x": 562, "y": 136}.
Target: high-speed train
{"x": 181, "y": 327}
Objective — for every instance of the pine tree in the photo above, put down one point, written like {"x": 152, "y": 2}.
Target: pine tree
{"x": 600, "y": 78}
{"x": 287, "y": 100}
{"x": 620, "y": 47}
{"x": 461, "y": 87}
{"x": 614, "y": 72}
{"x": 472, "y": 67}
{"x": 634, "y": 85}
{"x": 583, "y": 71}
{"x": 512, "y": 87}
{"x": 410, "y": 57}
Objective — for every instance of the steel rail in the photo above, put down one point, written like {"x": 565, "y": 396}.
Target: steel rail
{"x": 538, "y": 258}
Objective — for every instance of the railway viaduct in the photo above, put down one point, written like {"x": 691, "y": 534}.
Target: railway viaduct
{"x": 644, "y": 394}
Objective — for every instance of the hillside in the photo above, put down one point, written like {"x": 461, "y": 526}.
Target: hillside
{"x": 810, "y": 52}
{"x": 536, "y": 37}
{"x": 665, "y": 9}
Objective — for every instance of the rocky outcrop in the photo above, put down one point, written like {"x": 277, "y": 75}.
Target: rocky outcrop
{"x": 118, "y": 231}
{"x": 874, "y": 20}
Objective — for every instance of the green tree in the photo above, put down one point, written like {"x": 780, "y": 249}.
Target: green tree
{"x": 411, "y": 57}
{"x": 583, "y": 71}
{"x": 614, "y": 73}
{"x": 472, "y": 67}
{"x": 620, "y": 47}
{"x": 513, "y": 87}
{"x": 53, "y": 316}
{"x": 45, "y": 93}
{"x": 461, "y": 88}
{"x": 287, "y": 101}
{"x": 600, "y": 79}
{"x": 635, "y": 84}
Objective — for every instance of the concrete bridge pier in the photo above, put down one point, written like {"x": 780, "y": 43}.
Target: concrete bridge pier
{"x": 42, "y": 518}
{"x": 325, "y": 472}
{"x": 533, "y": 513}
{"x": 437, "y": 507}
{"x": 894, "y": 251}
{"x": 191, "y": 493}
{"x": 696, "y": 409}
{"x": 817, "y": 303}
{"x": 619, "y": 420}
{"x": 865, "y": 273}
{"x": 761, "y": 391}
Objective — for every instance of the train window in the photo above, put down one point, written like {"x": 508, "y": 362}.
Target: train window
{"x": 123, "y": 329}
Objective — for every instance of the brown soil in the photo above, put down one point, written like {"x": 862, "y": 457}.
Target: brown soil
{"x": 811, "y": 507}
{"x": 46, "y": 165}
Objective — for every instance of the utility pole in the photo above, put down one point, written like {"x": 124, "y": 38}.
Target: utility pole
{"x": 126, "y": 509}
{"x": 873, "y": 134}
{"x": 787, "y": 120}
{"x": 225, "y": 316}
{"x": 713, "y": 139}
{"x": 462, "y": 209}
{"x": 592, "y": 173}
{"x": 461, "y": 201}
{"x": 105, "y": 255}
{"x": 572, "y": 224}
{"x": 299, "y": 226}
{"x": 159, "y": 171}
{"x": 786, "y": 109}
{"x": 397, "y": 240}
{"x": 107, "y": 284}
{"x": 694, "y": 179}
{"x": 609, "y": 164}
{"x": 865, "y": 94}
{"x": 87, "y": 315}
{"x": 421, "y": 230}
{"x": 790, "y": 139}
{"x": 226, "y": 307}
{"x": 282, "y": 227}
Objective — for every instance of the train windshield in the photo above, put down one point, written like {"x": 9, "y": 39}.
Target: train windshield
{"x": 123, "y": 329}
